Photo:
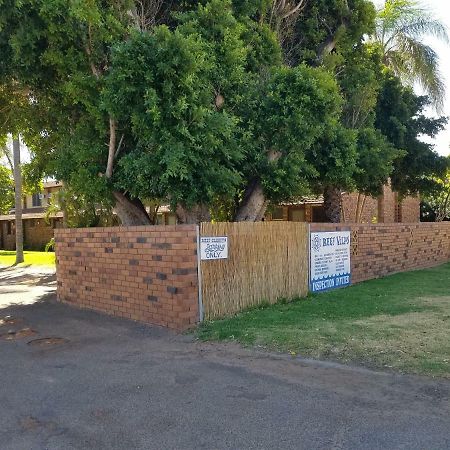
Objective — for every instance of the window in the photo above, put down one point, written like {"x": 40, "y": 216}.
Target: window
{"x": 318, "y": 214}
{"x": 36, "y": 200}
{"x": 57, "y": 223}
{"x": 171, "y": 219}
{"x": 297, "y": 215}
{"x": 277, "y": 213}
{"x": 10, "y": 227}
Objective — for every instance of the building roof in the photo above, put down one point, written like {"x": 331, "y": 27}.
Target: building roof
{"x": 25, "y": 216}
{"x": 52, "y": 184}
{"x": 305, "y": 201}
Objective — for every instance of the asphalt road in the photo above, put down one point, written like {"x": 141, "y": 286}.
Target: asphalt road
{"x": 115, "y": 384}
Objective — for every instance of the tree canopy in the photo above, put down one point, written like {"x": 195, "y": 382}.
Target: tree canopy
{"x": 219, "y": 106}
{"x": 400, "y": 117}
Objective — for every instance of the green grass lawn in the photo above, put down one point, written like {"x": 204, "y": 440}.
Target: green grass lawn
{"x": 401, "y": 322}
{"x": 7, "y": 258}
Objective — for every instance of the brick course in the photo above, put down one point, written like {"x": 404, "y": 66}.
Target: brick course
{"x": 148, "y": 274}
{"x": 383, "y": 249}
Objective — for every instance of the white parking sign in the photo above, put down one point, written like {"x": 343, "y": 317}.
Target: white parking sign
{"x": 213, "y": 247}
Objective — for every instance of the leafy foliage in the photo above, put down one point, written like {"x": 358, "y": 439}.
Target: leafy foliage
{"x": 296, "y": 107}
{"x": 6, "y": 190}
{"x": 400, "y": 117}
{"x": 162, "y": 87}
{"x": 207, "y": 97}
{"x": 343, "y": 22}
{"x": 79, "y": 210}
{"x": 436, "y": 203}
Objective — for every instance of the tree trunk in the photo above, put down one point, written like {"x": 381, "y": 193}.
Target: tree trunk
{"x": 358, "y": 207}
{"x": 442, "y": 211}
{"x": 195, "y": 215}
{"x": 18, "y": 199}
{"x": 253, "y": 205}
{"x": 130, "y": 212}
{"x": 361, "y": 209}
{"x": 262, "y": 213}
{"x": 330, "y": 42}
{"x": 332, "y": 202}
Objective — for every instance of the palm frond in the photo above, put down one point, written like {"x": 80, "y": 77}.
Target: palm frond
{"x": 5, "y": 152}
{"x": 419, "y": 62}
{"x": 401, "y": 25}
{"x": 424, "y": 26}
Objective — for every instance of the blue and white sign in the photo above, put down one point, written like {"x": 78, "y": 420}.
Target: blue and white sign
{"x": 329, "y": 260}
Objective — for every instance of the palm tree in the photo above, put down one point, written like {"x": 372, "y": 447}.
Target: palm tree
{"x": 401, "y": 26}
{"x": 13, "y": 159}
{"x": 18, "y": 199}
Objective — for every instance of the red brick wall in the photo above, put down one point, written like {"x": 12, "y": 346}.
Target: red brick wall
{"x": 147, "y": 274}
{"x": 384, "y": 209}
{"x": 387, "y": 206}
{"x": 349, "y": 205}
{"x": 37, "y": 233}
{"x": 383, "y": 249}
{"x": 7, "y": 241}
{"x": 409, "y": 210}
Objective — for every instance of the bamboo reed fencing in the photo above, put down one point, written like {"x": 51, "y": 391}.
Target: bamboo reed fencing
{"x": 266, "y": 261}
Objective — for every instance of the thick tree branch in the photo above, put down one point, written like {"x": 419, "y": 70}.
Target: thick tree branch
{"x": 254, "y": 202}
{"x": 330, "y": 43}
{"x": 111, "y": 147}
{"x": 88, "y": 49}
{"x": 297, "y": 8}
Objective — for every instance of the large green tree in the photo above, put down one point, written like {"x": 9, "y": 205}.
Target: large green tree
{"x": 400, "y": 117}
{"x": 192, "y": 111}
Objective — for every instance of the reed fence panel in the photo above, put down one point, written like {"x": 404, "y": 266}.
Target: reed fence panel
{"x": 266, "y": 261}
